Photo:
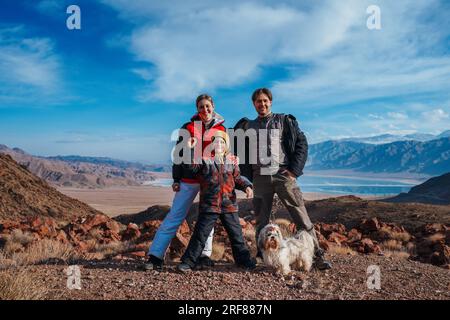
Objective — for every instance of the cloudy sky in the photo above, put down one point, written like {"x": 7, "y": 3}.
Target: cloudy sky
{"x": 120, "y": 86}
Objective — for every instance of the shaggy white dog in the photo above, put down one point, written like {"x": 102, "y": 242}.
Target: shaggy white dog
{"x": 297, "y": 251}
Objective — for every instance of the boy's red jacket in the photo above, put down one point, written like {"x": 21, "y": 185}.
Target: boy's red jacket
{"x": 217, "y": 186}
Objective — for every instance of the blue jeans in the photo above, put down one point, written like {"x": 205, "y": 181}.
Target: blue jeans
{"x": 166, "y": 232}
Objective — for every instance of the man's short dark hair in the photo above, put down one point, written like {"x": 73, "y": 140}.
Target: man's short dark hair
{"x": 259, "y": 91}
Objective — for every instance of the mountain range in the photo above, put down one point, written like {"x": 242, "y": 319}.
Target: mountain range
{"x": 433, "y": 191}
{"x": 81, "y": 172}
{"x": 430, "y": 157}
{"x": 388, "y": 138}
{"x": 22, "y": 194}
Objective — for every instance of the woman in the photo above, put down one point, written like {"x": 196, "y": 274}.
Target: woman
{"x": 186, "y": 185}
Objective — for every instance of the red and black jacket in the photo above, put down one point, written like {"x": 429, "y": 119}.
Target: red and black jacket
{"x": 182, "y": 172}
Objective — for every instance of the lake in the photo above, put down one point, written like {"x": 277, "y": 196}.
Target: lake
{"x": 336, "y": 185}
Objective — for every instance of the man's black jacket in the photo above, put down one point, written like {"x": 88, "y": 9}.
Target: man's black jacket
{"x": 295, "y": 146}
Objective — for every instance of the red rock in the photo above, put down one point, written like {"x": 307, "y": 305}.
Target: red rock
{"x": 369, "y": 225}
{"x": 326, "y": 229}
{"x": 179, "y": 243}
{"x": 354, "y": 235}
{"x": 82, "y": 246}
{"x": 113, "y": 226}
{"x": 93, "y": 221}
{"x": 184, "y": 228}
{"x": 433, "y": 228}
{"x": 324, "y": 244}
{"x": 6, "y": 225}
{"x": 131, "y": 233}
{"x": 151, "y": 227}
{"x": 110, "y": 234}
{"x": 137, "y": 254}
{"x": 152, "y": 224}
{"x": 337, "y": 238}
{"x": 141, "y": 246}
{"x": 62, "y": 237}
{"x": 367, "y": 246}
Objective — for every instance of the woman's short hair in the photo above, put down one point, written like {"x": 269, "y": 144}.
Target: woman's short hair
{"x": 204, "y": 96}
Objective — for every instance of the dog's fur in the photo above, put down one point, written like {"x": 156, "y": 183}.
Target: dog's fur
{"x": 297, "y": 251}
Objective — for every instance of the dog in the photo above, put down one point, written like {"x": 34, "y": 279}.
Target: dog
{"x": 281, "y": 254}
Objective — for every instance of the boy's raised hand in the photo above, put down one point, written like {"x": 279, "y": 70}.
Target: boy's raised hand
{"x": 249, "y": 192}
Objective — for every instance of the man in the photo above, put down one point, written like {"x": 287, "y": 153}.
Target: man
{"x": 281, "y": 152}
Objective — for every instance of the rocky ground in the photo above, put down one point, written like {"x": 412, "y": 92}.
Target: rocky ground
{"x": 400, "y": 279}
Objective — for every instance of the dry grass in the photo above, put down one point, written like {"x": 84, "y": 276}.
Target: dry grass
{"x": 436, "y": 237}
{"x": 43, "y": 250}
{"x": 18, "y": 236}
{"x": 284, "y": 227}
{"x": 11, "y": 248}
{"x": 218, "y": 251}
{"x": 249, "y": 234}
{"x": 396, "y": 254}
{"x": 392, "y": 245}
{"x": 20, "y": 286}
{"x": 96, "y": 233}
{"x": 386, "y": 233}
{"x": 17, "y": 241}
{"x": 341, "y": 250}
{"x": 111, "y": 249}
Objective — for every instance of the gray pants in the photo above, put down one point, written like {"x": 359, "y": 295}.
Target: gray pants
{"x": 265, "y": 186}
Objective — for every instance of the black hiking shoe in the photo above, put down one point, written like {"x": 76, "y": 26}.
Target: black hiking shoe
{"x": 153, "y": 263}
{"x": 320, "y": 262}
{"x": 184, "y": 268}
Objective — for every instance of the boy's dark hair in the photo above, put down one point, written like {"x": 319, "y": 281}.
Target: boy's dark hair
{"x": 259, "y": 91}
{"x": 204, "y": 96}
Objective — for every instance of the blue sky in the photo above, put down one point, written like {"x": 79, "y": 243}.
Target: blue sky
{"x": 120, "y": 86}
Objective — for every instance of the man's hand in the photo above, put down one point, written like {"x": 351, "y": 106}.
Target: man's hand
{"x": 289, "y": 174}
{"x": 176, "y": 187}
{"x": 249, "y": 192}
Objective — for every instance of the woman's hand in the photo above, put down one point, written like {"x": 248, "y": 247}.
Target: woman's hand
{"x": 233, "y": 159}
{"x": 249, "y": 192}
{"x": 176, "y": 187}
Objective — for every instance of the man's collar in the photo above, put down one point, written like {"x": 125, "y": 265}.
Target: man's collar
{"x": 266, "y": 116}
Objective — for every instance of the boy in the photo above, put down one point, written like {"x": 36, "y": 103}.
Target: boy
{"x": 219, "y": 176}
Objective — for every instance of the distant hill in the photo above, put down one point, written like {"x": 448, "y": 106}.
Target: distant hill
{"x": 433, "y": 191}
{"x": 80, "y": 174}
{"x": 431, "y": 157}
{"x": 389, "y": 138}
{"x": 22, "y": 194}
{"x": 113, "y": 162}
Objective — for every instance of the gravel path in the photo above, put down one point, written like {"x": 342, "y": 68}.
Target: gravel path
{"x": 400, "y": 279}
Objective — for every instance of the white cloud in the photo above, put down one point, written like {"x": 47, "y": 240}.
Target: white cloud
{"x": 436, "y": 115}
{"x": 398, "y": 115}
{"x": 29, "y": 68}
{"x": 207, "y": 45}
{"x": 212, "y": 45}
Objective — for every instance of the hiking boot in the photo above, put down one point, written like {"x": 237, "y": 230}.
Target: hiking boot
{"x": 320, "y": 262}
{"x": 184, "y": 268}
{"x": 204, "y": 262}
{"x": 153, "y": 263}
{"x": 248, "y": 265}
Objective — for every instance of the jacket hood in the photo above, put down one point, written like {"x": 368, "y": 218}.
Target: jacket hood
{"x": 216, "y": 120}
